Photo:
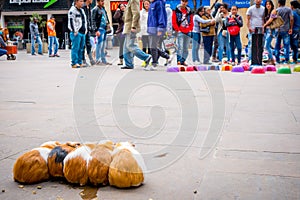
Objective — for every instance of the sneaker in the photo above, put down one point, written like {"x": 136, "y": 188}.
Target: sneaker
{"x": 99, "y": 63}
{"x": 52, "y": 55}
{"x": 107, "y": 63}
{"x": 56, "y": 55}
{"x": 147, "y": 61}
{"x": 143, "y": 64}
{"x": 184, "y": 64}
{"x": 150, "y": 68}
{"x": 76, "y": 66}
{"x": 126, "y": 67}
{"x": 82, "y": 65}
{"x": 33, "y": 54}
{"x": 41, "y": 54}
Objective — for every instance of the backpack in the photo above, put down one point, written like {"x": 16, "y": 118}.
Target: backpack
{"x": 233, "y": 30}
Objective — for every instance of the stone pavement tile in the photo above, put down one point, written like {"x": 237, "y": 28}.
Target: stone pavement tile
{"x": 219, "y": 185}
{"x": 288, "y": 143}
{"x": 248, "y": 121}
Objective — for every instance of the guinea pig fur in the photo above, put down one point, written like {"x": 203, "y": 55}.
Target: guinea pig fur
{"x": 57, "y": 156}
{"x": 76, "y": 163}
{"x": 99, "y": 164}
{"x": 127, "y": 167}
{"x": 31, "y": 167}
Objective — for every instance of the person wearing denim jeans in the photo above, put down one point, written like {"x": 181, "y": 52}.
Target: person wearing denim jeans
{"x": 182, "y": 20}
{"x": 196, "y": 35}
{"x": 53, "y": 43}
{"x": 295, "y": 5}
{"x": 233, "y": 23}
{"x": 284, "y": 31}
{"x": 35, "y": 37}
{"x": 78, "y": 27}
{"x": 131, "y": 28}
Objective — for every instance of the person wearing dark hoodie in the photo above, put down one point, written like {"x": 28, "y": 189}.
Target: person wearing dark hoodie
{"x": 119, "y": 17}
{"x": 182, "y": 20}
{"x": 156, "y": 28}
{"x": 295, "y": 36}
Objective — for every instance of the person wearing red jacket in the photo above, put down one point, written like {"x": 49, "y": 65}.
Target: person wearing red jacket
{"x": 182, "y": 21}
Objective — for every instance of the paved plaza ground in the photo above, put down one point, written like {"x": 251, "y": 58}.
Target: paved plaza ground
{"x": 203, "y": 135}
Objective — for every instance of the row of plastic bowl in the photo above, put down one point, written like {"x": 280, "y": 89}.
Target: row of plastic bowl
{"x": 255, "y": 69}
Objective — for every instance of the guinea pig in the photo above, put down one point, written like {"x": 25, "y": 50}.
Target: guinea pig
{"x": 99, "y": 164}
{"x": 127, "y": 167}
{"x": 76, "y": 163}
{"x": 31, "y": 167}
{"x": 57, "y": 156}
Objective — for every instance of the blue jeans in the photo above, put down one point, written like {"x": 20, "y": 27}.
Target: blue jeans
{"x": 39, "y": 41}
{"x": 53, "y": 42}
{"x": 208, "y": 45}
{"x": 183, "y": 41}
{"x": 78, "y": 42}
{"x": 235, "y": 41}
{"x": 286, "y": 44}
{"x": 100, "y": 46}
{"x": 2, "y": 52}
{"x": 196, "y": 40}
{"x": 294, "y": 44}
{"x": 131, "y": 49}
{"x": 269, "y": 35}
{"x": 223, "y": 42}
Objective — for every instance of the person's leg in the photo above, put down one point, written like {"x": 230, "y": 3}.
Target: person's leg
{"x": 216, "y": 45}
{"x": 50, "y": 45}
{"x": 180, "y": 47}
{"x": 221, "y": 46}
{"x": 194, "y": 46}
{"x": 186, "y": 43}
{"x": 2, "y": 52}
{"x": 153, "y": 49}
{"x": 206, "y": 49}
{"x": 32, "y": 45}
{"x": 239, "y": 48}
{"x": 133, "y": 47}
{"x": 211, "y": 41}
{"x": 249, "y": 46}
{"x": 128, "y": 56}
{"x": 294, "y": 45}
{"x": 75, "y": 48}
{"x": 232, "y": 41}
{"x": 144, "y": 43}
{"x": 81, "y": 47}
{"x": 286, "y": 45}
{"x": 228, "y": 51}
{"x": 268, "y": 43}
{"x": 56, "y": 45}
{"x": 39, "y": 41}
{"x": 121, "y": 43}
{"x": 102, "y": 49}
{"x": 277, "y": 47}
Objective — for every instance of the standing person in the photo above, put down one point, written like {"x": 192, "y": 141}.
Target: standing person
{"x": 216, "y": 44}
{"x": 131, "y": 28}
{"x": 88, "y": 46}
{"x": 53, "y": 42}
{"x": 78, "y": 27}
{"x": 269, "y": 33}
{"x": 208, "y": 38}
{"x": 295, "y": 5}
{"x": 233, "y": 23}
{"x": 223, "y": 36}
{"x": 196, "y": 35}
{"x": 169, "y": 19}
{"x": 35, "y": 36}
{"x": 255, "y": 19}
{"x": 119, "y": 17}
{"x": 99, "y": 25}
{"x": 182, "y": 20}
{"x": 157, "y": 25}
{"x": 2, "y": 45}
{"x": 284, "y": 31}
{"x": 143, "y": 35}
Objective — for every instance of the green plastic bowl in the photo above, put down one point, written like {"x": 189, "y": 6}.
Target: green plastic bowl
{"x": 284, "y": 70}
{"x": 297, "y": 68}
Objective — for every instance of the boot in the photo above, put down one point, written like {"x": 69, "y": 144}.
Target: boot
{"x": 121, "y": 62}
{"x": 91, "y": 59}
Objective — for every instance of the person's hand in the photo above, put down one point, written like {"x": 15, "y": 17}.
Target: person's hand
{"x": 34, "y": 37}
{"x": 290, "y": 31}
{"x": 97, "y": 33}
{"x": 251, "y": 30}
{"x": 159, "y": 33}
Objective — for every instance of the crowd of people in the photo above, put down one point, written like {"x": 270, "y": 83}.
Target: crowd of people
{"x": 218, "y": 27}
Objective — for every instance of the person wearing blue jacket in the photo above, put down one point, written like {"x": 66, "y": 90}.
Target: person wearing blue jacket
{"x": 156, "y": 27}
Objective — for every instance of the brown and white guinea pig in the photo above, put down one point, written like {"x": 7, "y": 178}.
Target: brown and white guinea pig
{"x": 99, "y": 164}
{"x": 127, "y": 167}
{"x": 57, "y": 155}
{"x": 76, "y": 163}
{"x": 31, "y": 167}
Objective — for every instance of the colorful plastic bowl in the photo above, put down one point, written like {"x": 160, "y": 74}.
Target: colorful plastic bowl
{"x": 182, "y": 68}
{"x": 190, "y": 68}
{"x": 214, "y": 67}
{"x": 297, "y": 68}
{"x": 258, "y": 70}
{"x": 173, "y": 69}
{"x": 246, "y": 66}
{"x": 238, "y": 69}
{"x": 284, "y": 70}
{"x": 201, "y": 68}
{"x": 270, "y": 68}
{"x": 226, "y": 67}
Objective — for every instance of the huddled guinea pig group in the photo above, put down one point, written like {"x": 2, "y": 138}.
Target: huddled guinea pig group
{"x": 102, "y": 163}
